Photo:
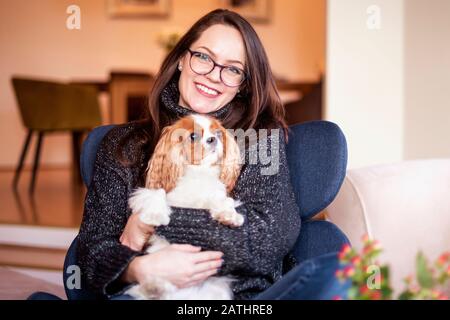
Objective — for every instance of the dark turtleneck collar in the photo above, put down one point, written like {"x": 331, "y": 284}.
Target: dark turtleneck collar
{"x": 171, "y": 95}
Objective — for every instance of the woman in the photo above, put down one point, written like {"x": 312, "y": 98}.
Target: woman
{"x": 219, "y": 68}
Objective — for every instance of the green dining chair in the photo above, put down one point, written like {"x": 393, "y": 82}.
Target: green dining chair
{"x": 47, "y": 107}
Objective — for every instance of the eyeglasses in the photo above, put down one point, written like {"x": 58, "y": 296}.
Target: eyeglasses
{"x": 203, "y": 64}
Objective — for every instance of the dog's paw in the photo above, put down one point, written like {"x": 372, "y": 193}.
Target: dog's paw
{"x": 151, "y": 205}
{"x": 224, "y": 211}
{"x": 154, "y": 218}
{"x": 228, "y": 216}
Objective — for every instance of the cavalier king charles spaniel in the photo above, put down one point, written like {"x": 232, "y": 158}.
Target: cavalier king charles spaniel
{"x": 195, "y": 165}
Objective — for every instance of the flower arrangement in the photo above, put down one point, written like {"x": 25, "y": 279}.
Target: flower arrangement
{"x": 370, "y": 280}
{"x": 168, "y": 38}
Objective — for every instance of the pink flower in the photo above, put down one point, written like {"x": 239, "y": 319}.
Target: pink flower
{"x": 363, "y": 289}
{"x": 339, "y": 274}
{"x": 349, "y": 271}
{"x": 376, "y": 245}
{"x": 337, "y": 298}
{"x": 375, "y": 295}
{"x": 435, "y": 294}
{"x": 365, "y": 238}
{"x": 344, "y": 251}
{"x": 448, "y": 271}
{"x": 367, "y": 249}
{"x": 443, "y": 258}
{"x": 346, "y": 248}
{"x": 414, "y": 289}
{"x": 356, "y": 260}
{"x": 409, "y": 279}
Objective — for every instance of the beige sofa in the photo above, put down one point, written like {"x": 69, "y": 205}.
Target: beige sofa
{"x": 406, "y": 206}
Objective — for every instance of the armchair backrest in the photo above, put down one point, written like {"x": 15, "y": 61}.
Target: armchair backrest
{"x": 317, "y": 158}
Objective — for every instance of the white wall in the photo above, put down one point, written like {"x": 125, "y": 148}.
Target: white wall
{"x": 364, "y": 90}
{"x": 427, "y": 79}
{"x": 34, "y": 41}
{"x": 389, "y": 89}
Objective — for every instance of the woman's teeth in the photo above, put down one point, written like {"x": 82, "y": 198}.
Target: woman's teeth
{"x": 207, "y": 90}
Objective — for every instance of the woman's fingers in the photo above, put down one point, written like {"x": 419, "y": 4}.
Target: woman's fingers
{"x": 199, "y": 256}
{"x": 136, "y": 233}
{"x": 186, "y": 247}
{"x": 200, "y": 277}
{"x": 207, "y": 266}
{"x": 146, "y": 229}
{"x": 207, "y": 256}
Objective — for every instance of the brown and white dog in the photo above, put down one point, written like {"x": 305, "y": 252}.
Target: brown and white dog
{"x": 195, "y": 165}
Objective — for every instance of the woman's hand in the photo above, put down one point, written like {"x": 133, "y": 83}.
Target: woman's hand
{"x": 181, "y": 264}
{"x": 136, "y": 233}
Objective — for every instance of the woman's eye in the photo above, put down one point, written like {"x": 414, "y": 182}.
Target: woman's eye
{"x": 234, "y": 70}
{"x": 202, "y": 56}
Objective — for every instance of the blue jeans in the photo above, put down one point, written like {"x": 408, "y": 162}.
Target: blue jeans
{"x": 313, "y": 279}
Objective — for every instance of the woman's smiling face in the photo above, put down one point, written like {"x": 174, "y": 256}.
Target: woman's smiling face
{"x": 207, "y": 93}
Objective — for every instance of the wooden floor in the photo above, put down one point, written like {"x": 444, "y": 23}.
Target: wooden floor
{"x": 57, "y": 200}
{"x": 36, "y": 231}
{"x": 57, "y": 203}
{"x": 15, "y": 285}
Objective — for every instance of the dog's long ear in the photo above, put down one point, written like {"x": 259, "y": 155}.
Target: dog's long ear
{"x": 231, "y": 164}
{"x": 166, "y": 164}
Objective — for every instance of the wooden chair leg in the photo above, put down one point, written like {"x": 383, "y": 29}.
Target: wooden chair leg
{"x": 36, "y": 161}
{"x": 22, "y": 159}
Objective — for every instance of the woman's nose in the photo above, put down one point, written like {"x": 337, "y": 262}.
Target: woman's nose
{"x": 214, "y": 75}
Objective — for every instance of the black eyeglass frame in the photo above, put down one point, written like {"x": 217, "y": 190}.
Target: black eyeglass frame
{"x": 215, "y": 64}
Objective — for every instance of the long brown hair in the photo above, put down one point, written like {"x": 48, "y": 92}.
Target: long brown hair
{"x": 257, "y": 105}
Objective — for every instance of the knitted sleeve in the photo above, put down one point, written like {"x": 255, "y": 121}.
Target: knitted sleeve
{"x": 101, "y": 256}
{"x": 271, "y": 218}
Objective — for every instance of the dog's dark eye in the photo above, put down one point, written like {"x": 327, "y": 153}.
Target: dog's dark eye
{"x": 194, "y": 136}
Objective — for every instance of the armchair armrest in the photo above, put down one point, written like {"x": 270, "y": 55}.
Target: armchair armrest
{"x": 318, "y": 238}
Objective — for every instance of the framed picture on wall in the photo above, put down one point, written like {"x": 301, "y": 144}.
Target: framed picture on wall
{"x": 252, "y": 10}
{"x": 138, "y": 8}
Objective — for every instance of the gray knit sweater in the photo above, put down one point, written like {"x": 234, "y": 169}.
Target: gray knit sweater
{"x": 253, "y": 254}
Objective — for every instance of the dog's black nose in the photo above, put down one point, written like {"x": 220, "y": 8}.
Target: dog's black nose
{"x": 211, "y": 140}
